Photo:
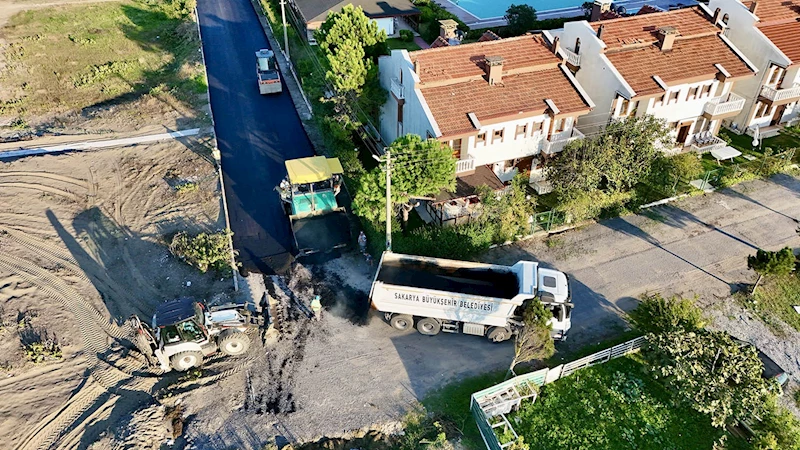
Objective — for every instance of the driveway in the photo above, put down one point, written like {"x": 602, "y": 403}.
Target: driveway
{"x": 255, "y": 134}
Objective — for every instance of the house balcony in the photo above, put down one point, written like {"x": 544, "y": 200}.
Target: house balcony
{"x": 705, "y": 142}
{"x": 780, "y": 96}
{"x": 723, "y": 107}
{"x": 573, "y": 58}
{"x": 465, "y": 165}
{"x": 397, "y": 89}
{"x": 557, "y": 141}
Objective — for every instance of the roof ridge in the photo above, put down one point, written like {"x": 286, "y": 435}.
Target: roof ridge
{"x": 484, "y": 43}
{"x": 651, "y": 15}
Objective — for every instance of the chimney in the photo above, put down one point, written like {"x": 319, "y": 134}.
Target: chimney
{"x": 556, "y": 45}
{"x": 447, "y": 28}
{"x": 600, "y": 32}
{"x": 753, "y": 6}
{"x": 417, "y": 67}
{"x": 494, "y": 66}
{"x": 598, "y": 8}
{"x": 666, "y": 36}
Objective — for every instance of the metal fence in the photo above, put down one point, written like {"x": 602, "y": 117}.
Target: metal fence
{"x": 545, "y": 221}
{"x": 490, "y": 406}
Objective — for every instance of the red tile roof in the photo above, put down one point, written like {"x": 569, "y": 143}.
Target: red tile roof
{"x": 463, "y": 61}
{"x": 489, "y": 35}
{"x": 440, "y": 42}
{"x": 523, "y": 93}
{"x": 641, "y": 30}
{"x": 689, "y": 58}
{"x": 772, "y": 10}
{"x": 785, "y": 36}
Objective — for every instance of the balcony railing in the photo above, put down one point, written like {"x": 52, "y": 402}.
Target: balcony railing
{"x": 703, "y": 143}
{"x": 557, "y": 142}
{"x": 778, "y": 94}
{"x": 397, "y": 89}
{"x": 572, "y": 57}
{"x": 724, "y": 105}
{"x": 465, "y": 165}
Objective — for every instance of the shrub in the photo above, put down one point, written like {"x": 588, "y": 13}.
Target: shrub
{"x": 666, "y": 171}
{"x": 594, "y": 204}
{"x": 458, "y": 242}
{"x": 771, "y": 263}
{"x": 406, "y": 35}
{"x": 778, "y": 429}
{"x": 41, "y": 350}
{"x": 656, "y": 314}
{"x": 204, "y": 251}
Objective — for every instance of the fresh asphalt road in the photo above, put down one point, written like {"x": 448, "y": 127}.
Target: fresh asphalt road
{"x": 255, "y": 134}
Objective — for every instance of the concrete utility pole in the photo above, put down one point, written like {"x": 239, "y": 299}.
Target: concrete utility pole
{"x": 388, "y": 202}
{"x": 285, "y": 31}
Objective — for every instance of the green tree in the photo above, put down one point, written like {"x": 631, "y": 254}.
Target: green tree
{"x": 656, "y": 314}
{"x": 520, "y": 19}
{"x": 419, "y": 169}
{"x": 667, "y": 171}
{"x": 510, "y": 210}
{"x": 711, "y": 372}
{"x": 348, "y": 40}
{"x": 577, "y": 169}
{"x": 771, "y": 263}
{"x": 533, "y": 340}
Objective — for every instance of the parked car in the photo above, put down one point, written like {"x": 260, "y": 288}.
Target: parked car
{"x": 772, "y": 371}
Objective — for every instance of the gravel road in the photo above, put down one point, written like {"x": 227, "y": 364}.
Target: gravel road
{"x": 349, "y": 371}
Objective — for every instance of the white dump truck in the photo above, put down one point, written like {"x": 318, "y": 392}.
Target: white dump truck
{"x": 269, "y": 79}
{"x": 434, "y": 294}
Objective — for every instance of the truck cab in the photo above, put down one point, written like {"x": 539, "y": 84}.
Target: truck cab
{"x": 269, "y": 79}
{"x": 554, "y": 293}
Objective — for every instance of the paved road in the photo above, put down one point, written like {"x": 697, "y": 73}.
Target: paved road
{"x": 255, "y": 134}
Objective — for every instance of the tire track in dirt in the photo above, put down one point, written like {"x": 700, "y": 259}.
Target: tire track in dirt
{"x": 52, "y": 176}
{"x": 42, "y": 188}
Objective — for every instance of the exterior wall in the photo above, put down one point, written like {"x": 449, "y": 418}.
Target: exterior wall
{"x": 509, "y": 147}
{"x": 757, "y": 48}
{"x": 597, "y": 75}
{"x": 417, "y": 118}
{"x": 386, "y": 24}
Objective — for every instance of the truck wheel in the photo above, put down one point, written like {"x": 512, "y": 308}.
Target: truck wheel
{"x": 401, "y": 322}
{"x": 184, "y": 361}
{"x": 428, "y": 326}
{"x": 234, "y": 343}
{"x": 498, "y": 334}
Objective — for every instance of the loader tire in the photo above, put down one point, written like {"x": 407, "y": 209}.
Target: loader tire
{"x": 184, "y": 361}
{"x": 498, "y": 334}
{"x": 234, "y": 344}
{"x": 429, "y": 326}
{"x": 401, "y": 322}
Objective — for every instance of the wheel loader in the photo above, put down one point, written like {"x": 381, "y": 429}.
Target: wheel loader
{"x": 184, "y": 331}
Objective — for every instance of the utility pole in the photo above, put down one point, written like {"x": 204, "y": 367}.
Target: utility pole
{"x": 388, "y": 202}
{"x": 285, "y": 31}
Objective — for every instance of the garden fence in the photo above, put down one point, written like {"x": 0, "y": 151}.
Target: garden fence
{"x": 490, "y": 406}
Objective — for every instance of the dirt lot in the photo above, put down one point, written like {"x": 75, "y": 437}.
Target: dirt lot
{"x": 82, "y": 247}
{"x": 81, "y": 67}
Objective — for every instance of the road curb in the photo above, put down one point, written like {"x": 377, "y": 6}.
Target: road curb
{"x": 218, "y": 159}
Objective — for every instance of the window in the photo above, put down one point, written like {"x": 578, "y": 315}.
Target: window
{"x": 522, "y": 130}
{"x": 549, "y": 281}
{"x": 400, "y": 113}
{"x": 623, "y": 111}
{"x": 577, "y": 46}
{"x": 692, "y": 93}
{"x": 498, "y": 135}
{"x": 480, "y": 139}
{"x": 775, "y": 77}
{"x": 558, "y": 126}
{"x": 725, "y": 18}
{"x": 707, "y": 90}
{"x": 762, "y": 109}
{"x": 537, "y": 126}
{"x": 673, "y": 97}
{"x": 455, "y": 144}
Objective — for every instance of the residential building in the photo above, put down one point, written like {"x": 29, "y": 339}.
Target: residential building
{"x": 386, "y": 13}
{"x": 768, "y": 32}
{"x": 676, "y": 65}
{"x": 499, "y": 104}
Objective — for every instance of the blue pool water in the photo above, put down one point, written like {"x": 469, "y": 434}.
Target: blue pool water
{"x": 485, "y": 9}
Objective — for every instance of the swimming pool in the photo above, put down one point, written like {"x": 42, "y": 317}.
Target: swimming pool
{"x": 485, "y": 9}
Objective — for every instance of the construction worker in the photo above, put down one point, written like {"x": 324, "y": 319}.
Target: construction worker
{"x": 316, "y": 307}
{"x": 362, "y": 242}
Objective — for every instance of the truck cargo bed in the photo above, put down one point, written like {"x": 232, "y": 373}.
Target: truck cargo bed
{"x": 321, "y": 233}
{"x": 471, "y": 281}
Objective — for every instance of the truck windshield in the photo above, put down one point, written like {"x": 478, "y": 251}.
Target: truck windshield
{"x": 557, "y": 312}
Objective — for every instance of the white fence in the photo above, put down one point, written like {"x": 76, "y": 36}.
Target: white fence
{"x": 490, "y": 405}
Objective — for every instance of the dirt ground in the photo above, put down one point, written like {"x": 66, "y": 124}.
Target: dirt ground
{"x": 35, "y": 104}
{"x": 82, "y": 247}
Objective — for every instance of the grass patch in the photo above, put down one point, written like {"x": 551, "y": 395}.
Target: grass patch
{"x": 612, "y": 405}
{"x": 743, "y": 142}
{"x": 398, "y": 44}
{"x": 775, "y": 297}
{"x": 71, "y": 57}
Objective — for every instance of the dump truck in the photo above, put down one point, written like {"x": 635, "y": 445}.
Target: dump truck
{"x": 441, "y": 295}
{"x": 309, "y": 193}
{"x": 269, "y": 79}
{"x": 183, "y": 332}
